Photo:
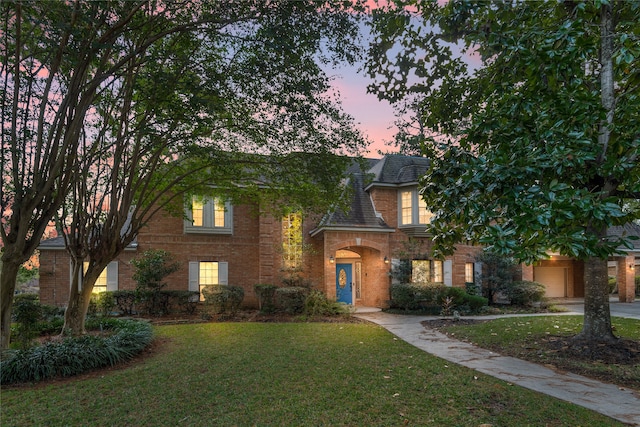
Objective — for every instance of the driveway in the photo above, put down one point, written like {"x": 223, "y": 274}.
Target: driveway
{"x": 630, "y": 310}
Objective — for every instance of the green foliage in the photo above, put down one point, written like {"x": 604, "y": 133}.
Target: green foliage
{"x": 525, "y": 293}
{"x": 125, "y": 301}
{"x": 497, "y": 274}
{"x": 266, "y": 294}
{"x": 151, "y": 267}
{"x": 223, "y": 299}
{"x": 533, "y": 140}
{"x": 637, "y": 281}
{"x": 317, "y": 304}
{"x": 291, "y": 300}
{"x": 25, "y": 275}
{"x": 613, "y": 282}
{"x": 434, "y": 298}
{"x": 27, "y": 313}
{"x": 75, "y": 355}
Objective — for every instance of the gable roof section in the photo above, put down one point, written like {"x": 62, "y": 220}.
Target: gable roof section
{"x": 361, "y": 214}
{"x": 398, "y": 170}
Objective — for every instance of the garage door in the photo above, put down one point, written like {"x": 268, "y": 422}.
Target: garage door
{"x": 554, "y": 278}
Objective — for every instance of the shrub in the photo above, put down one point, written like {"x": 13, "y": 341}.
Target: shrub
{"x": 105, "y": 303}
{"x": 221, "y": 299}
{"x": 186, "y": 301}
{"x": 525, "y": 293}
{"x": 76, "y": 355}
{"x": 404, "y": 296}
{"x": 637, "y": 280}
{"x": 27, "y": 313}
{"x": 317, "y": 304}
{"x": 151, "y": 268}
{"x": 613, "y": 281}
{"x": 125, "y": 301}
{"x": 291, "y": 299}
{"x": 266, "y": 294}
{"x": 475, "y": 302}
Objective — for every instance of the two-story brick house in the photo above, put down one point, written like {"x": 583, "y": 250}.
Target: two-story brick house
{"x": 347, "y": 254}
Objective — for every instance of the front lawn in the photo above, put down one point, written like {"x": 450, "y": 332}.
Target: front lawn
{"x": 547, "y": 340}
{"x": 315, "y": 374}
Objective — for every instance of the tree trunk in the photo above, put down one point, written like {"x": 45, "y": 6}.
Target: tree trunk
{"x": 76, "y": 313}
{"x": 8, "y": 277}
{"x": 79, "y": 298}
{"x": 597, "y": 316}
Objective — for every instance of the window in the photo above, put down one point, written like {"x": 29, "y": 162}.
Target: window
{"x": 292, "y": 241}
{"x": 204, "y": 273}
{"x": 413, "y": 209}
{"x": 425, "y": 271}
{"x": 107, "y": 281}
{"x": 208, "y": 215}
{"x": 468, "y": 272}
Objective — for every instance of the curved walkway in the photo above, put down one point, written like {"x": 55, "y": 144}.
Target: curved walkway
{"x": 608, "y": 399}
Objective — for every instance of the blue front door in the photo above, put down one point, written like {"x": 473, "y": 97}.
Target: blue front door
{"x": 344, "y": 283}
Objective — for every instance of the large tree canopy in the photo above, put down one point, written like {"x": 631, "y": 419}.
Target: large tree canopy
{"x": 536, "y": 147}
{"x": 113, "y": 110}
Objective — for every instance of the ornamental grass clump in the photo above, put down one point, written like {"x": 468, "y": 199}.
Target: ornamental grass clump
{"x": 76, "y": 355}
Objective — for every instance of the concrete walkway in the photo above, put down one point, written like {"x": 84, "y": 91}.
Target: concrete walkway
{"x": 616, "y": 402}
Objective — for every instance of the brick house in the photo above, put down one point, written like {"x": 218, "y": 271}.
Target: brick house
{"x": 564, "y": 276}
{"x": 347, "y": 254}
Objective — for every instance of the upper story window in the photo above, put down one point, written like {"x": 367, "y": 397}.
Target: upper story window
{"x": 413, "y": 209}
{"x": 208, "y": 215}
{"x": 292, "y": 241}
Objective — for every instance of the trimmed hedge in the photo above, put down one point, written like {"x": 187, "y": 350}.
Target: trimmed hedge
{"x": 525, "y": 293}
{"x": 291, "y": 300}
{"x": 221, "y": 299}
{"x": 434, "y": 298}
{"x": 76, "y": 355}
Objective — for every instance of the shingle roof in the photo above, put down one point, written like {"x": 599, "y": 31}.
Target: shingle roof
{"x": 626, "y": 230}
{"x": 397, "y": 169}
{"x": 390, "y": 170}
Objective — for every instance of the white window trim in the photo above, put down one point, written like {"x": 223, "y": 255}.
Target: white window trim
{"x": 415, "y": 208}
{"x": 209, "y": 219}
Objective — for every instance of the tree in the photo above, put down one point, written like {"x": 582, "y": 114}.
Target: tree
{"x": 535, "y": 149}
{"x": 114, "y": 110}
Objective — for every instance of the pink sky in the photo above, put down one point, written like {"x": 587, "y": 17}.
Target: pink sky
{"x": 373, "y": 117}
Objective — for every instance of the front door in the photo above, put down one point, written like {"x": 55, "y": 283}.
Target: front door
{"x": 344, "y": 283}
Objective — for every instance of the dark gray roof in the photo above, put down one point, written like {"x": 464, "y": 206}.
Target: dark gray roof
{"x": 396, "y": 169}
{"x": 627, "y": 230}
{"x": 361, "y": 213}
{"x": 58, "y": 243}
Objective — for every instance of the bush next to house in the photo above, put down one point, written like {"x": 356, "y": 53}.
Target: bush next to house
{"x": 266, "y": 294}
{"x": 637, "y": 280}
{"x": 150, "y": 269}
{"x": 74, "y": 355}
{"x": 612, "y": 281}
{"x": 434, "y": 298}
{"x": 291, "y": 300}
{"x": 317, "y": 304}
{"x": 222, "y": 299}
{"x": 27, "y": 313}
{"x": 525, "y": 293}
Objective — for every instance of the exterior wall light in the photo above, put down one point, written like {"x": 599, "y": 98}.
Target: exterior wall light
{"x": 386, "y": 260}
{"x": 632, "y": 267}
{"x": 331, "y": 260}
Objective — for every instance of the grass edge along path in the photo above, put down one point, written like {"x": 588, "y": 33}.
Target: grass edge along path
{"x": 541, "y": 339}
{"x": 302, "y": 374}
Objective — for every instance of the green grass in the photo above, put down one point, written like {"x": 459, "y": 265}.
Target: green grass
{"x": 293, "y": 374}
{"x": 524, "y": 337}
